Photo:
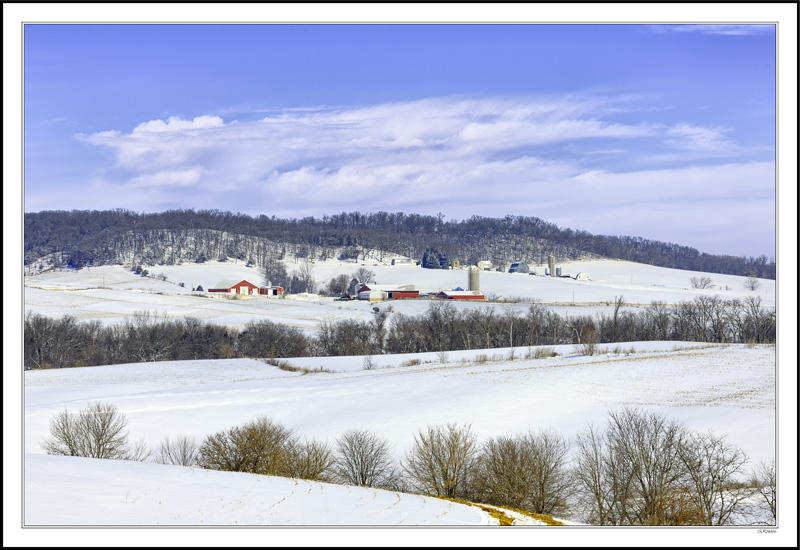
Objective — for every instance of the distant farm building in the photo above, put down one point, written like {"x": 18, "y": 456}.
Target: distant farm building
{"x": 519, "y": 267}
{"x": 485, "y": 265}
{"x": 271, "y": 291}
{"x": 377, "y": 293}
{"x": 582, "y": 276}
{"x": 461, "y": 295}
{"x": 403, "y": 261}
{"x": 245, "y": 288}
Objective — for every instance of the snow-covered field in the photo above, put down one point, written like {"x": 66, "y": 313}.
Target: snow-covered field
{"x": 110, "y": 293}
{"x": 730, "y": 389}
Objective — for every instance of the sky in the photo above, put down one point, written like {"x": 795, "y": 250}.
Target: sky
{"x": 662, "y": 131}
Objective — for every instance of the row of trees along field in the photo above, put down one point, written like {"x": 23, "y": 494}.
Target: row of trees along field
{"x": 642, "y": 469}
{"x": 80, "y": 238}
{"x": 66, "y": 342}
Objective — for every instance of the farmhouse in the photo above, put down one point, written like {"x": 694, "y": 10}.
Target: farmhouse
{"x": 245, "y": 288}
{"x": 461, "y": 295}
{"x": 375, "y": 293}
{"x": 485, "y": 265}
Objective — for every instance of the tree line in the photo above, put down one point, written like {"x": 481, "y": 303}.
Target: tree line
{"x": 79, "y": 238}
{"x": 66, "y": 342}
{"x": 642, "y": 469}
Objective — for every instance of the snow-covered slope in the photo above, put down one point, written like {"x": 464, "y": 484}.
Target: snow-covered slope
{"x": 86, "y": 491}
{"x": 729, "y": 389}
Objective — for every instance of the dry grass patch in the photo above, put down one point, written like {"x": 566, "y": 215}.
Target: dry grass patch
{"x": 284, "y": 365}
{"x": 498, "y": 513}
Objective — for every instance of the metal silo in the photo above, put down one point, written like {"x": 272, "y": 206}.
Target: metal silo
{"x": 473, "y": 281}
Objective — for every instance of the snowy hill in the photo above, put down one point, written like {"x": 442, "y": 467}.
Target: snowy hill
{"x": 117, "y": 493}
{"x": 110, "y": 293}
{"x": 728, "y": 388}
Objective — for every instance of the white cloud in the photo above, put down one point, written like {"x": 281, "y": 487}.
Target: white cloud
{"x": 491, "y": 156}
{"x": 174, "y": 124}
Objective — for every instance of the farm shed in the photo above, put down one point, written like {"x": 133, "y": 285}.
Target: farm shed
{"x": 485, "y": 265}
{"x": 233, "y": 287}
{"x": 403, "y": 261}
{"x": 461, "y": 295}
{"x": 519, "y": 267}
{"x": 271, "y": 291}
{"x": 373, "y": 292}
{"x": 582, "y": 276}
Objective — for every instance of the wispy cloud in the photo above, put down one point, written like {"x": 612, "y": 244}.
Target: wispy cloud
{"x": 407, "y": 146}
{"x": 700, "y": 139}
{"x": 462, "y": 156}
{"x": 723, "y": 29}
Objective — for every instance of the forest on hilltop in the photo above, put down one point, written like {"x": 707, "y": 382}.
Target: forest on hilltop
{"x": 81, "y": 238}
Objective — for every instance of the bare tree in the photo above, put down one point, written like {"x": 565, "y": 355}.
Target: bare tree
{"x": 701, "y": 282}
{"x": 631, "y": 473}
{"x": 503, "y": 473}
{"x": 551, "y": 482}
{"x": 262, "y": 446}
{"x": 441, "y": 460}
{"x": 711, "y": 466}
{"x": 139, "y": 451}
{"x": 751, "y": 283}
{"x": 619, "y": 301}
{"x": 587, "y": 340}
{"x": 647, "y": 445}
{"x": 364, "y": 275}
{"x": 597, "y": 485}
{"x": 658, "y": 316}
{"x": 364, "y": 459}
{"x": 369, "y": 363}
{"x": 306, "y": 275}
{"x": 273, "y": 272}
{"x": 764, "y": 480}
{"x": 181, "y": 451}
{"x": 338, "y": 285}
{"x": 527, "y": 472}
{"x": 97, "y": 431}
{"x": 312, "y": 459}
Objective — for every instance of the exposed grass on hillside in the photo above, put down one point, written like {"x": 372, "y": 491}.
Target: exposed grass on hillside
{"x": 498, "y": 513}
{"x": 284, "y": 365}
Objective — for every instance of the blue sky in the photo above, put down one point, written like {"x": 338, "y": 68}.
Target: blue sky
{"x": 661, "y": 131}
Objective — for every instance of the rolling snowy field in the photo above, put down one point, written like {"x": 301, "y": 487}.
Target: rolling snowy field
{"x": 730, "y": 389}
{"x": 110, "y": 293}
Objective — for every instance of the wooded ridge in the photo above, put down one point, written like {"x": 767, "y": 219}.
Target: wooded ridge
{"x": 79, "y": 238}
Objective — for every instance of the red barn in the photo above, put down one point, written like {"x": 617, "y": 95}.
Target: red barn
{"x": 374, "y": 292}
{"x": 461, "y": 295}
{"x": 232, "y": 287}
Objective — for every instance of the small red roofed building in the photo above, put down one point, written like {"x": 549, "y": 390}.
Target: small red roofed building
{"x": 461, "y": 295}
{"x": 245, "y": 288}
{"x": 375, "y": 293}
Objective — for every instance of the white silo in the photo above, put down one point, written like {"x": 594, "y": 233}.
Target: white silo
{"x": 552, "y": 265}
{"x": 473, "y": 279}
